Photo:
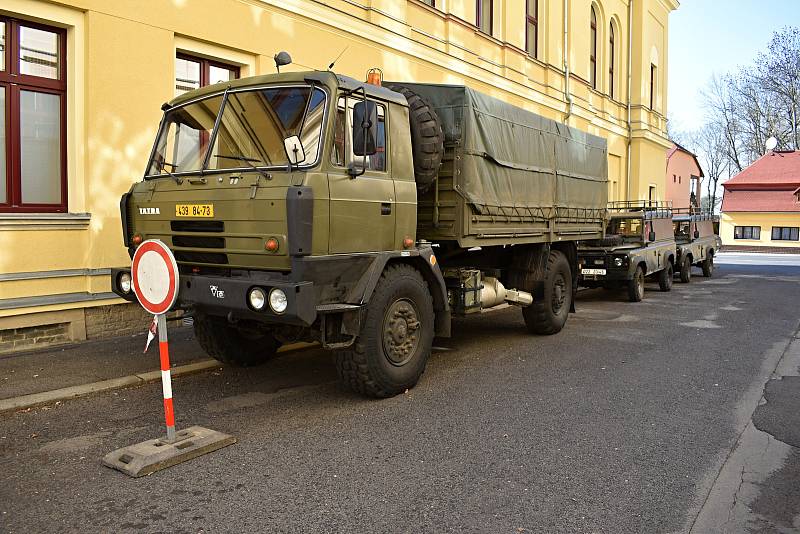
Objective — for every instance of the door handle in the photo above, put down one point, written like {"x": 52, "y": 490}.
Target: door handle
{"x": 386, "y": 208}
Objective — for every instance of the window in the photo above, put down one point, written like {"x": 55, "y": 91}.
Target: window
{"x": 483, "y": 17}
{"x": 747, "y": 232}
{"x": 593, "y": 50}
{"x": 342, "y": 153}
{"x": 193, "y": 73}
{"x": 651, "y": 193}
{"x": 785, "y": 233}
{"x": 653, "y": 79}
{"x": 532, "y": 28}
{"x": 431, "y": 3}
{"x": 33, "y": 175}
{"x": 612, "y": 58}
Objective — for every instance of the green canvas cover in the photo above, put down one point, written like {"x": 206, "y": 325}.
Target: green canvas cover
{"x": 513, "y": 160}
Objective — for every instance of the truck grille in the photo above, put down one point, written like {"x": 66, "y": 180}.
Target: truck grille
{"x": 198, "y": 241}
{"x": 216, "y": 258}
{"x": 197, "y": 226}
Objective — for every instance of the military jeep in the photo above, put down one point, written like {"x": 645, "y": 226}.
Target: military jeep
{"x": 639, "y": 243}
{"x": 696, "y": 242}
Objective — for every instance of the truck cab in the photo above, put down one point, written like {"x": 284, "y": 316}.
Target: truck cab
{"x": 696, "y": 242}
{"x": 639, "y": 243}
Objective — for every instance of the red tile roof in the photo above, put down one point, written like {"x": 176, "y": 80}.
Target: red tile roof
{"x": 749, "y": 200}
{"x": 772, "y": 169}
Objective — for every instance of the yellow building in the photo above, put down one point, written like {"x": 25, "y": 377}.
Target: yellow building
{"x": 82, "y": 83}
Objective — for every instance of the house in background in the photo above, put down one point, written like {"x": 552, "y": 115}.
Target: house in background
{"x": 683, "y": 177}
{"x": 761, "y": 205}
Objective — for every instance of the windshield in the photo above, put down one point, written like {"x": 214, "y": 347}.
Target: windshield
{"x": 681, "y": 229}
{"x": 251, "y": 131}
{"x": 625, "y": 227}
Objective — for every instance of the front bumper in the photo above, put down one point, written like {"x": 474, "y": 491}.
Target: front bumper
{"x": 227, "y": 296}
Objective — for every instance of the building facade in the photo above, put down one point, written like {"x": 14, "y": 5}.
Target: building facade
{"x": 684, "y": 175}
{"x": 82, "y": 83}
{"x": 761, "y": 205}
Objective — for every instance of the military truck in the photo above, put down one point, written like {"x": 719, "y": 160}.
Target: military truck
{"x": 695, "y": 240}
{"x": 310, "y": 206}
{"x": 638, "y": 244}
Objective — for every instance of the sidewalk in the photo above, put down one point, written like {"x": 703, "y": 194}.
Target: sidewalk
{"x": 102, "y": 364}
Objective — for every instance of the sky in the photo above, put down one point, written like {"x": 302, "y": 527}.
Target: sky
{"x": 715, "y": 37}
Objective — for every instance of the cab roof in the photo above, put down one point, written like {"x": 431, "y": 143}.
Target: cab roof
{"x": 327, "y": 78}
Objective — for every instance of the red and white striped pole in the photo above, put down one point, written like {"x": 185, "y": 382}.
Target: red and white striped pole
{"x": 166, "y": 376}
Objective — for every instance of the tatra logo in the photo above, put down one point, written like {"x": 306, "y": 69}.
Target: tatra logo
{"x": 217, "y": 292}
{"x": 149, "y": 211}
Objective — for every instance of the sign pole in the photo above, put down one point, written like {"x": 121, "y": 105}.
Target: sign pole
{"x": 166, "y": 376}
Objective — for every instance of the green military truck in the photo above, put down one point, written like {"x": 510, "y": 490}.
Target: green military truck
{"x": 696, "y": 242}
{"x": 313, "y": 207}
{"x": 639, "y": 243}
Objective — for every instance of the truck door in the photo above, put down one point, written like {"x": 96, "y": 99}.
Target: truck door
{"x": 362, "y": 209}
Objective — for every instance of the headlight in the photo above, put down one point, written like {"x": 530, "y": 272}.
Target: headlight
{"x": 257, "y": 298}
{"x": 125, "y": 282}
{"x": 618, "y": 262}
{"x": 278, "y": 301}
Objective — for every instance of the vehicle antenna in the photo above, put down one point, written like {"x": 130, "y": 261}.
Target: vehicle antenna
{"x": 330, "y": 67}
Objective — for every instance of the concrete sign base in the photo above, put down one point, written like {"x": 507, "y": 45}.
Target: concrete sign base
{"x": 156, "y": 454}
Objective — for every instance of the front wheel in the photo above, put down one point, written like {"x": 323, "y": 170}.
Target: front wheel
{"x": 234, "y": 344}
{"x": 636, "y": 285}
{"x": 665, "y": 277}
{"x": 686, "y": 270}
{"x": 548, "y": 315}
{"x": 708, "y": 266}
{"x": 394, "y": 344}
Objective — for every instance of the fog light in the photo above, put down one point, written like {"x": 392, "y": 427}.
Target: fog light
{"x": 278, "y": 301}
{"x": 257, "y": 298}
{"x": 618, "y": 262}
{"x": 272, "y": 245}
{"x": 137, "y": 239}
{"x": 125, "y": 282}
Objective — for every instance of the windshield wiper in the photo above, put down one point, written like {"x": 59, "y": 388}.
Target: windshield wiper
{"x": 178, "y": 180}
{"x": 247, "y": 160}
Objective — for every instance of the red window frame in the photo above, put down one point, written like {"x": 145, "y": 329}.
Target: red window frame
{"x": 479, "y": 20}
{"x": 205, "y": 67}
{"x": 14, "y": 83}
{"x": 593, "y": 50}
{"x": 532, "y": 20}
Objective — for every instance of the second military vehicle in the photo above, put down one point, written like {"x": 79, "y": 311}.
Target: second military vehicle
{"x": 639, "y": 243}
{"x": 695, "y": 240}
{"x": 310, "y": 206}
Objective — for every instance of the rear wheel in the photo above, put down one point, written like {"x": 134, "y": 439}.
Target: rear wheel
{"x": 665, "y": 277}
{"x": 394, "y": 344}
{"x": 636, "y": 285}
{"x": 708, "y": 265}
{"x": 686, "y": 270}
{"x": 234, "y": 344}
{"x": 548, "y": 315}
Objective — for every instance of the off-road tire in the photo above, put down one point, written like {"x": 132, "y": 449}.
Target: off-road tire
{"x": 375, "y": 366}
{"x": 547, "y": 316}
{"x": 427, "y": 138}
{"x": 636, "y": 285}
{"x": 231, "y": 344}
{"x": 708, "y": 266}
{"x": 665, "y": 277}
{"x": 686, "y": 270}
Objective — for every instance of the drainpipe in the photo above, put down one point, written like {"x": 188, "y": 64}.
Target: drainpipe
{"x": 630, "y": 75}
{"x": 567, "y": 94}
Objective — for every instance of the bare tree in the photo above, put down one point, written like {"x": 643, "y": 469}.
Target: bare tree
{"x": 779, "y": 74}
{"x": 711, "y": 146}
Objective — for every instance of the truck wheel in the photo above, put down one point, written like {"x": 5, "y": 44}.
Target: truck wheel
{"x": 686, "y": 270}
{"x": 547, "y": 316}
{"x": 708, "y": 265}
{"x": 427, "y": 139}
{"x": 233, "y": 345}
{"x": 636, "y": 285}
{"x": 394, "y": 344}
{"x": 665, "y": 277}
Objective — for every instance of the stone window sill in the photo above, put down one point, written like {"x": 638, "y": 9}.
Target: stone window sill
{"x": 44, "y": 221}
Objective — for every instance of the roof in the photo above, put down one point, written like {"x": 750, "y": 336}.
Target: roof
{"x": 773, "y": 170}
{"x": 760, "y": 200}
{"x": 678, "y": 148}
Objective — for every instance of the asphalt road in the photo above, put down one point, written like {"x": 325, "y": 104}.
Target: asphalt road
{"x": 621, "y": 423}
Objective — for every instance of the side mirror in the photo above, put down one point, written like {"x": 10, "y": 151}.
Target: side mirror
{"x": 294, "y": 150}
{"x": 696, "y": 234}
{"x": 651, "y": 236}
{"x": 365, "y": 128}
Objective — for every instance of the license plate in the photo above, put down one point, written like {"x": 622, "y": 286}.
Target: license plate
{"x": 593, "y": 271}
{"x": 194, "y": 210}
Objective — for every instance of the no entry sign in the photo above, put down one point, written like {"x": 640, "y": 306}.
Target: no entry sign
{"x": 155, "y": 276}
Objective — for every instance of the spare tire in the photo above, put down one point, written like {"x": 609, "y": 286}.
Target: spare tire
{"x": 427, "y": 139}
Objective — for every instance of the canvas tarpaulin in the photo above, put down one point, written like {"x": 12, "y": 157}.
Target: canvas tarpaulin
{"x": 513, "y": 160}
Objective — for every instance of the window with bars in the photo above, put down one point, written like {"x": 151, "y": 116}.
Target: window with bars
{"x": 33, "y": 175}
{"x": 785, "y": 233}
{"x": 194, "y": 72}
{"x": 593, "y": 49}
{"x": 747, "y": 232}
{"x": 532, "y": 28}
{"x": 483, "y": 16}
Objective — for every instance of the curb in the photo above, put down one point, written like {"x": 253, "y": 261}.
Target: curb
{"x": 36, "y": 399}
